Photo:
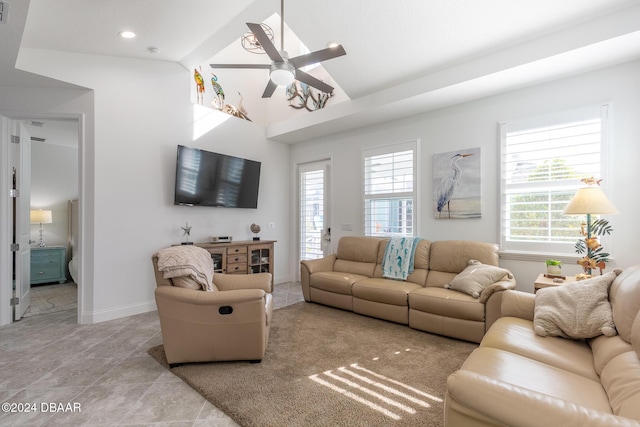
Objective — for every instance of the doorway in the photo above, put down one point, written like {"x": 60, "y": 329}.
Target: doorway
{"x": 54, "y": 188}
{"x": 52, "y": 185}
{"x": 314, "y": 228}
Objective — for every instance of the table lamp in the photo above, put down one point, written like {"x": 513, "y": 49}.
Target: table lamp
{"x": 41, "y": 217}
{"x": 591, "y": 200}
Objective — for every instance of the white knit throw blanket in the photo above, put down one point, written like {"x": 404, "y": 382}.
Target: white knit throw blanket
{"x": 187, "y": 260}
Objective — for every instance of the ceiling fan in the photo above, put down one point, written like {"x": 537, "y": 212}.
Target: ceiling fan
{"x": 283, "y": 70}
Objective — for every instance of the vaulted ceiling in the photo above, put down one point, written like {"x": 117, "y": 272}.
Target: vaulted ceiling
{"x": 403, "y": 57}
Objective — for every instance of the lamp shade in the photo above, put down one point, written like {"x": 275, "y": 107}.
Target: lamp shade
{"x": 590, "y": 200}
{"x": 41, "y": 217}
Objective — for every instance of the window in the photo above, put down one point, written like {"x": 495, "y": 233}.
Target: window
{"x": 389, "y": 190}
{"x": 543, "y": 161}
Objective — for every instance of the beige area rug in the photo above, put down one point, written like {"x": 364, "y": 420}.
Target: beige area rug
{"x": 329, "y": 367}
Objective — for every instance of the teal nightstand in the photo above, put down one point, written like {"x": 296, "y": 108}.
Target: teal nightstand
{"x": 48, "y": 265}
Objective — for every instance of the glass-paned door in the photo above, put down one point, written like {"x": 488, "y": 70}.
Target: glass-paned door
{"x": 314, "y": 231}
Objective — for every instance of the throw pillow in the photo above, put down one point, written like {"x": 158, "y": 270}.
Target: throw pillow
{"x": 477, "y": 276}
{"x": 576, "y": 310}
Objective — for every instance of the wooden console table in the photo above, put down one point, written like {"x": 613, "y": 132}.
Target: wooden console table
{"x": 242, "y": 257}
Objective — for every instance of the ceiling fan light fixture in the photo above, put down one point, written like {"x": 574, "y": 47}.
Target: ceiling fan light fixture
{"x": 282, "y": 73}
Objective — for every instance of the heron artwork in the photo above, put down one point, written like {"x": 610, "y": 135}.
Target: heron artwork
{"x": 447, "y": 186}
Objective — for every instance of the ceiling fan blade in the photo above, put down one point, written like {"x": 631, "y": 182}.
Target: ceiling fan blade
{"x": 312, "y": 81}
{"x": 265, "y": 42}
{"x": 317, "y": 56}
{"x": 268, "y": 91}
{"x": 253, "y": 66}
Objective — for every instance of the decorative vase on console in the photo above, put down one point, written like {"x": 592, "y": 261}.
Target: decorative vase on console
{"x": 255, "y": 229}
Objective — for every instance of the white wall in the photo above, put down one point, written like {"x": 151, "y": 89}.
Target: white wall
{"x": 54, "y": 181}
{"x": 475, "y": 124}
{"x": 142, "y": 112}
{"x": 138, "y": 111}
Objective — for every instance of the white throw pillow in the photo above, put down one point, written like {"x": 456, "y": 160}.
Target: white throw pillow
{"x": 477, "y": 276}
{"x": 576, "y": 310}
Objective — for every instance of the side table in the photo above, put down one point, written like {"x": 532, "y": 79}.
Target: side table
{"x": 48, "y": 265}
{"x": 545, "y": 282}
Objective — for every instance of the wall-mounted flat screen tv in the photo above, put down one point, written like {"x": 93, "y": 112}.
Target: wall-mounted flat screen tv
{"x": 204, "y": 178}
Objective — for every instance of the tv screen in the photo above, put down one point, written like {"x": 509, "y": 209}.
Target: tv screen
{"x": 204, "y": 178}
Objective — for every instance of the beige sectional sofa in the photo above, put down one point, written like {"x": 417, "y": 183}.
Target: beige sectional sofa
{"x": 352, "y": 279}
{"x": 518, "y": 378}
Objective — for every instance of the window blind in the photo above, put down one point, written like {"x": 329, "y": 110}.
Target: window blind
{"x": 541, "y": 171}
{"x": 389, "y": 191}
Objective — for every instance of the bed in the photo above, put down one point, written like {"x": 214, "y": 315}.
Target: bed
{"x": 72, "y": 240}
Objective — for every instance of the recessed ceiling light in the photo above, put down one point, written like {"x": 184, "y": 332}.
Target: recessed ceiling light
{"x": 332, "y": 44}
{"x": 127, "y": 34}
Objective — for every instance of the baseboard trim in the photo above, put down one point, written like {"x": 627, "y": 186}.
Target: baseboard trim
{"x": 117, "y": 312}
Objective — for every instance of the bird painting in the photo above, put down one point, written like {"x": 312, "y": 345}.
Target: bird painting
{"x": 448, "y": 185}
{"x": 218, "y": 98}
{"x": 199, "y": 86}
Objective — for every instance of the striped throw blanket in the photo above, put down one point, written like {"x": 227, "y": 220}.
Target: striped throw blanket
{"x": 398, "y": 257}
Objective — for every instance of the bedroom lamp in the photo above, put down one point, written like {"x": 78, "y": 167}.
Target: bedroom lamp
{"x": 41, "y": 217}
{"x": 591, "y": 200}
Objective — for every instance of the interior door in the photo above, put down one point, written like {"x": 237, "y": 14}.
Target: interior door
{"x": 20, "y": 155}
{"x": 313, "y": 196}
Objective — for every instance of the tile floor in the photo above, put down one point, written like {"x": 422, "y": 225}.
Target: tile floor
{"x": 49, "y": 360}
{"x": 52, "y": 298}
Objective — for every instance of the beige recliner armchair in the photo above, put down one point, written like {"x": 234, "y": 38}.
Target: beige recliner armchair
{"x": 229, "y": 323}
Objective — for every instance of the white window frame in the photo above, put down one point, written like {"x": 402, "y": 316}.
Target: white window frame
{"x": 543, "y": 250}
{"x": 412, "y": 194}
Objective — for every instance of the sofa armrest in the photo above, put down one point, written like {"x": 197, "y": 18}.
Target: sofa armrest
{"x": 321, "y": 264}
{"x": 508, "y": 404}
{"x": 310, "y": 266}
{"x": 491, "y": 296}
{"x": 502, "y": 285}
{"x": 518, "y": 304}
{"x": 228, "y": 282}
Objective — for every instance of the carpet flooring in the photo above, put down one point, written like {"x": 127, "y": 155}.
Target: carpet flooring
{"x": 329, "y": 367}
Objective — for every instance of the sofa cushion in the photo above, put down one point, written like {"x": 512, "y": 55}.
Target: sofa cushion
{"x": 443, "y": 302}
{"x": 516, "y": 335}
{"x": 625, "y": 300}
{"x": 386, "y": 291}
{"x": 576, "y": 310}
{"x": 605, "y": 349}
{"x": 452, "y": 255}
{"x": 366, "y": 269}
{"x": 359, "y": 249}
{"x": 477, "y": 276}
{"x": 621, "y": 380}
{"x": 333, "y": 281}
{"x": 530, "y": 374}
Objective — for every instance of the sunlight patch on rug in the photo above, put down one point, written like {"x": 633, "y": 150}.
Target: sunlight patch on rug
{"x": 361, "y": 385}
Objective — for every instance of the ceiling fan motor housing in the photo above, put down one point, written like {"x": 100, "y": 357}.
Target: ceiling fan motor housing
{"x": 282, "y": 73}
